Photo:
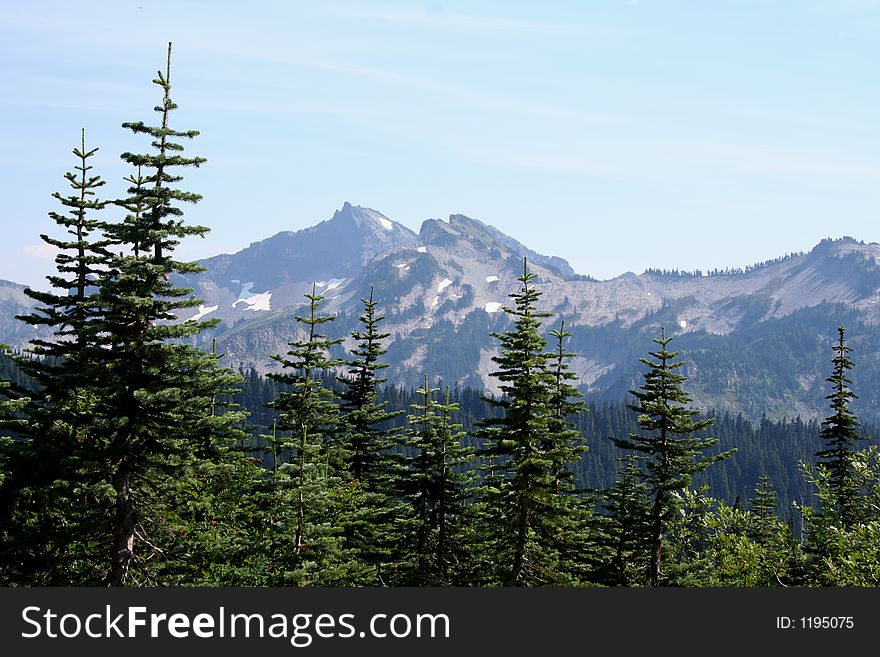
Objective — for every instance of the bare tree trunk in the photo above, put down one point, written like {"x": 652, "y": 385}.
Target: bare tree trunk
{"x": 515, "y": 578}
{"x": 123, "y": 529}
{"x": 656, "y": 539}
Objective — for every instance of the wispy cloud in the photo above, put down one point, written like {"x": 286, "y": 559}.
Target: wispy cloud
{"x": 41, "y": 251}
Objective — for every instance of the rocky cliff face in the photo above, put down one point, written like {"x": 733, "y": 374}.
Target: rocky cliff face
{"x": 13, "y": 301}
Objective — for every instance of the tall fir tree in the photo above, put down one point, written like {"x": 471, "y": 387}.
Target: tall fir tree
{"x": 53, "y": 471}
{"x": 437, "y": 486}
{"x": 80, "y": 260}
{"x": 841, "y": 433}
{"x": 368, "y": 443}
{"x": 667, "y": 444}
{"x": 305, "y": 500}
{"x": 60, "y": 366}
{"x": 158, "y": 409}
{"x": 532, "y": 516}
{"x": 565, "y": 402}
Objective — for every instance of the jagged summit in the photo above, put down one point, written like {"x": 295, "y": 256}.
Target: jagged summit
{"x": 367, "y": 219}
{"x": 489, "y": 239}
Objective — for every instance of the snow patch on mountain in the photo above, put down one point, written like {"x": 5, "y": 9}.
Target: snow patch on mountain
{"x": 422, "y": 249}
{"x": 443, "y": 285}
{"x": 385, "y": 223}
{"x": 203, "y": 310}
{"x": 492, "y": 307}
{"x": 491, "y": 279}
{"x": 332, "y": 284}
{"x": 259, "y": 301}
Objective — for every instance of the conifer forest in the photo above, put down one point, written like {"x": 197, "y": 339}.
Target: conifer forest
{"x": 131, "y": 456}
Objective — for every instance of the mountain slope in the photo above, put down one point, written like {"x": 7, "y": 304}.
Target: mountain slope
{"x": 756, "y": 341}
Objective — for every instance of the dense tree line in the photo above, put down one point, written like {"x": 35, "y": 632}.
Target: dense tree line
{"x": 727, "y": 271}
{"x": 130, "y": 464}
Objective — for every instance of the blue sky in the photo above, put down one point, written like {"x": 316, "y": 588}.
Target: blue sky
{"x": 618, "y": 134}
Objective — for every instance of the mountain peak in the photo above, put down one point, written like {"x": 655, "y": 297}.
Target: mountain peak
{"x": 366, "y": 218}
{"x": 461, "y": 226}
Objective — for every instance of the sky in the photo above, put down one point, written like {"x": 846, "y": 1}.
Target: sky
{"x": 618, "y": 134}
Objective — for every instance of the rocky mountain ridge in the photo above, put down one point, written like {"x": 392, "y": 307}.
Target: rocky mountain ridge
{"x": 442, "y": 292}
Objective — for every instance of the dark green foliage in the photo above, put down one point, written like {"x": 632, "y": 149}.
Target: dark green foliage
{"x": 304, "y": 502}
{"x": 436, "y": 485}
{"x": 838, "y": 553}
{"x": 671, "y": 452}
{"x": 766, "y": 447}
{"x": 763, "y": 512}
{"x": 626, "y": 528}
{"x": 127, "y": 472}
{"x": 366, "y": 443}
{"x": 160, "y": 423}
{"x": 363, "y": 413}
{"x": 53, "y": 466}
{"x": 533, "y": 521}
{"x": 565, "y": 403}
{"x": 841, "y": 433}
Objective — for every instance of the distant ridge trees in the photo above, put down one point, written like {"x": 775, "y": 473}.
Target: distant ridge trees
{"x": 727, "y": 271}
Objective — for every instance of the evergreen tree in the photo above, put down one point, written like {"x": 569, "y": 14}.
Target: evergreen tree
{"x": 437, "y": 486}
{"x": 627, "y": 527}
{"x": 367, "y": 444}
{"x": 840, "y": 431}
{"x": 80, "y": 260}
{"x": 532, "y": 517}
{"x": 158, "y": 409}
{"x": 764, "y": 520}
{"x": 51, "y": 492}
{"x": 668, "y": 446}
{"x": 366, "y": 441}
{"x": 565, "y": 403}
{"x": 60, "y": 367}
{"x": 302, "y": 504}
